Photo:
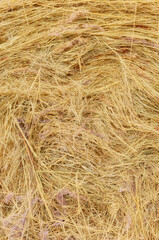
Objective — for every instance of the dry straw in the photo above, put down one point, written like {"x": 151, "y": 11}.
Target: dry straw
{"x": 79, "y": 119}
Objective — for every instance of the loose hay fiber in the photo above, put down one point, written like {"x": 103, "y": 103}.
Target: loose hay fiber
{"x": 79, "y": 125}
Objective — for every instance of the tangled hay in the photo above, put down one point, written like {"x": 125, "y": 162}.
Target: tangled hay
{"x": 79, "y": 126}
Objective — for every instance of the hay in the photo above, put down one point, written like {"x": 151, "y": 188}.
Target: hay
{"x": 79, "y": 125}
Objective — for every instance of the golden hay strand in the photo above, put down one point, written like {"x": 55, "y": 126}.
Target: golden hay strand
{"x": 79, "y": 125}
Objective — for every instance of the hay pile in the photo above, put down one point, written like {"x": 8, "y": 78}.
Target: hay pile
{"x": 79, "y": 125}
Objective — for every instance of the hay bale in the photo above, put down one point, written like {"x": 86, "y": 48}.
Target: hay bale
{"x": 79, "y": 126}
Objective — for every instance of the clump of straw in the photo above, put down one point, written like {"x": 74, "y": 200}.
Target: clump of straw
{"x": 79, "y": 125}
